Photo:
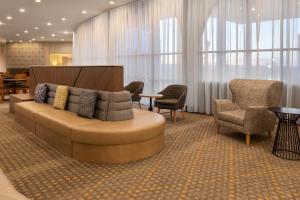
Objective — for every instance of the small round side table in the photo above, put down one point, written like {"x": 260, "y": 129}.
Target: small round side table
{"x": 151, "y": 96}
{"x": 287, "y": 140}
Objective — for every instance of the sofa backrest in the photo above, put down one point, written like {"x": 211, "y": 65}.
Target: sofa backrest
{"x": 110, "y": 106}
{"x": 120, "y": 106}
{"x": 246, "y": 92}
{"x": 51, "y": 93}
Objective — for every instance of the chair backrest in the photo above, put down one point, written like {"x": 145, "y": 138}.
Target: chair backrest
{"x": 21, "y": 76}
{"x": 246, "y": 92}
{"x": 135, "y": 86}
{"x": 174, "y": 91}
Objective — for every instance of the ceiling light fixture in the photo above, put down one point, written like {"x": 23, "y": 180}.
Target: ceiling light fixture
{"x": 36, "y": 28}
{"x": 53, "y": 35}
{"x": 20, "y": 41}
{"x": 38, "y": 1}
{"x": 63, "y": 19}
{"x": 84, "y": 12}
{"x": 66, "y": 32}
{"x": 49, "y": 24}
{"x": 253, "y": 9}
{"x": 9, "y": 17}
{"x": 17, "y": 34}
{"x": 33, "y": 39}
{"x": 11, "y": 41}
{"x": 62, "y": 39}
{"x": 26, "y": 32}
{"x": 42, "y": 37}
{"x": 1, "y": 23}
{"x": 30, "y": 40}
{"x": 112, "y": 2}
{"x": 22, "y": 10}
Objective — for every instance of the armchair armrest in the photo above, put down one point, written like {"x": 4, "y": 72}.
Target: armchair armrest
{"x": 221, "y": 105}
{"x": 259, "y": 119}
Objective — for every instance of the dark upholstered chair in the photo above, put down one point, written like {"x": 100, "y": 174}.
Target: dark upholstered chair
{"x": 135, "y": 88}
{"x": 173, "y": 99}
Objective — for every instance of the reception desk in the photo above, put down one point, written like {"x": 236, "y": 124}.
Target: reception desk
{"x": 107, "y": 78}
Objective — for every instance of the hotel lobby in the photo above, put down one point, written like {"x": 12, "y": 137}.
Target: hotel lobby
{"x": 149, "y": 99}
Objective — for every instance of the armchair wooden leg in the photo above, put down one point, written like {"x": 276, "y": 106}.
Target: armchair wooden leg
{"x": 248, "y": 137}
{"x": 140, "y": 104}
{"x": 171, "y": 113}
{"x": 158, "y": 111}
{"x": 174, "y": 116}
{"x": 182, "y": 113}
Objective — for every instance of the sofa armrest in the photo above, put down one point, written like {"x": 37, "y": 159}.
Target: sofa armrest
{"x": 259, "y": 119}
{"x": 221, "y": 105}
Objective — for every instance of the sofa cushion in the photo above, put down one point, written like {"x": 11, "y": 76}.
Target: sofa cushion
{"x": 61, "y": 97}
{"x": 40, "y": 93}
{"x": 30, "y": 108}
{"x": 144, "y": 126}
{"x": 87, "y": 101}
{"x": 235, "y": 116}
{"x": 61, "y": 121}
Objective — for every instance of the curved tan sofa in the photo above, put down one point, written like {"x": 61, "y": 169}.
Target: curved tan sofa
{"x": 94, "y": 140}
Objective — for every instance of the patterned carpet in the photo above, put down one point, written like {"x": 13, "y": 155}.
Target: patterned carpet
{"x": 197, "y": 163}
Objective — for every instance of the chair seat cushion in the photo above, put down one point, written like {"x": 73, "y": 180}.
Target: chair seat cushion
{"x": 167, "y": 101}
{"x": 30, "y": 108}
{"x": 235, "y": 116}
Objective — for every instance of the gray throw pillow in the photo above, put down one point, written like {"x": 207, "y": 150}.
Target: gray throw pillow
{"x": 87, "y": 102}
{"x": 40, "y": 93}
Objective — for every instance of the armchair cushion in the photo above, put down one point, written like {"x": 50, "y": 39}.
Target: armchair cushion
{"x": 221, "y": 105}
{"x": 234, "y": 116}
{"x": 167, "y": 101}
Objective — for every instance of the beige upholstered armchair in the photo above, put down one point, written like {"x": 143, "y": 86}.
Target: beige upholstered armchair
{"x": 248, "y": 111}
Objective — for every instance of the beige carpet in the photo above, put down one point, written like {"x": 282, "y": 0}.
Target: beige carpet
{"x": 197, "y": 163}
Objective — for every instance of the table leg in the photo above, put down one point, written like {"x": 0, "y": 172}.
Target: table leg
{"x": 150, "y": 107}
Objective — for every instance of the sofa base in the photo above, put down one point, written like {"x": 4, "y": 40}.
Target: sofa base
{"x": 26, "y": 122}
{"x": 123, "y": 153}
{"x": 57, "y": 141}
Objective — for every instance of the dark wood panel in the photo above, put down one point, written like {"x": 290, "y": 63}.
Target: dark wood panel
{"x": 107, "y": 78}
{"x": 67, "y": 75}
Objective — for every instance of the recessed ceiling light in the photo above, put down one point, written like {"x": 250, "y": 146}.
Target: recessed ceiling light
{"x": 62, "y": 39}
{"x": 253, "y": 9}
{"x": 26, "y": 32}
{"x": 11, "y": 41}
{"x": 84, "y": 12}
{"x": 20, "y": 41}
{"x": 38, "y": 1}
{"x": 9, "y": 17}
{"x": 66, "y": 32}
{"x": 17, "y": 34}
{"x": 22, "y": 10}
{"x": 36, "y": 28}
{"x": 33, "y": 39}
{"x": 63, "y": 19}
{"x": 42, "y": 37}
{"x": 112, "y": 2}
{"x": 49, "y": 24}
{"x": 53, "y": 35}
{"x": 1, "y": 23}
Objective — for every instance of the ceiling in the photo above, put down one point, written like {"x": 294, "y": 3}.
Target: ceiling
{"x": 39, "y": 14}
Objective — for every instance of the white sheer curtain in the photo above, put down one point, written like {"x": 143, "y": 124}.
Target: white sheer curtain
{"x": 146, "y": 37}
{"x": 201, "y": 43}
{"x": 90, "y": 42}
{"x": 230, "y": 39}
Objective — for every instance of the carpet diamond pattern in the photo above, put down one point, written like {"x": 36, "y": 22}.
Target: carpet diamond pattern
{"x": 197, "y": 163}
